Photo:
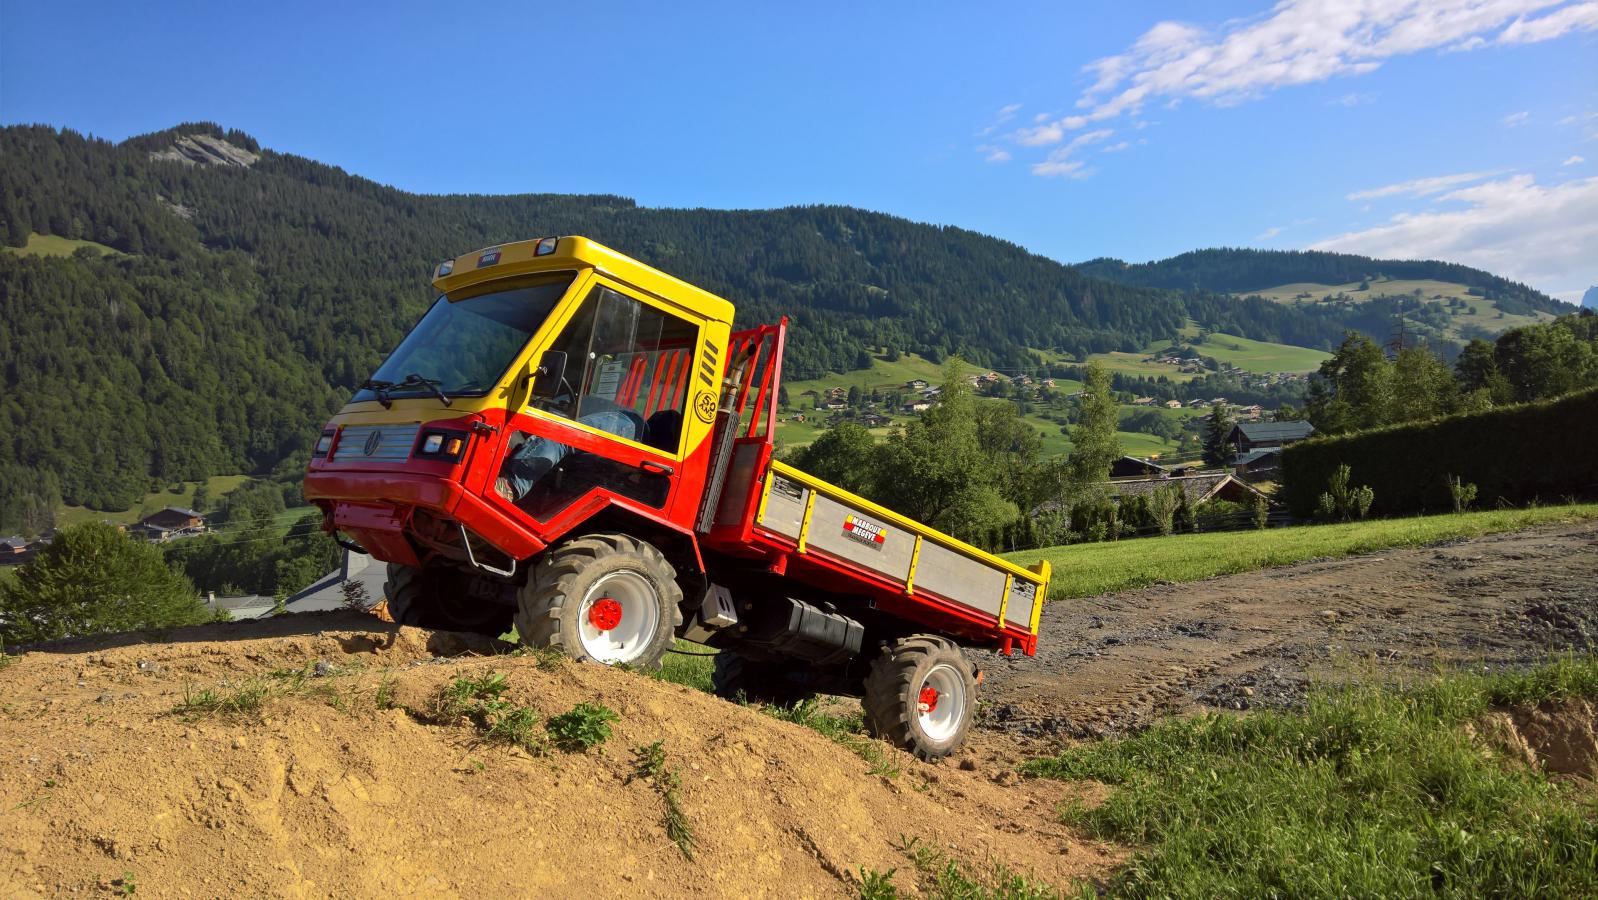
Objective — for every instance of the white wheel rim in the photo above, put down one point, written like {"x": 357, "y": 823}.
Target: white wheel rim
{"x": 629, "y": 634}
{"x": 940, "y": 702}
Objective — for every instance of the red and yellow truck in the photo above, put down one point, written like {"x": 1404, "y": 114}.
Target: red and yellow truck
{"x": 581, "y": 445}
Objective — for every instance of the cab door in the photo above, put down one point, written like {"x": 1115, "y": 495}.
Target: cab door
{"x": 614, "y": 426}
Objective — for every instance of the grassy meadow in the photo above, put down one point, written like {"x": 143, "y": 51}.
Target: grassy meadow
{"x": 1086, "y": 570}
{"x": 50, "y": 245}
{"x": 217, "y": 485}
{"x": 1486, "y": 316}
{"x": 1368, "y": 792}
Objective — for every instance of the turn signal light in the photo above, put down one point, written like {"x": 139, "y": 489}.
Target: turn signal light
{"x": 442, "y": 445}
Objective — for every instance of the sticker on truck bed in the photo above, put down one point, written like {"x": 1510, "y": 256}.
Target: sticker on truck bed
{"x": 863, "y": 531}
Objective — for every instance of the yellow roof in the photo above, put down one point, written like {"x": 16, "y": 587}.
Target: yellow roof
{"x": 573, "y": 252}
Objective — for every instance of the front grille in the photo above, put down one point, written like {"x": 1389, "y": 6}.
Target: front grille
{"x": 379, "y": 443}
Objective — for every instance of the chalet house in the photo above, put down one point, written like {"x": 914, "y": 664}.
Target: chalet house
{"x": 837, "y": 393}
{"x": 1251, "y": 413}
{"x": 14, "y": 550}
{"x": 1173, "y": 404}
{"x": 1143, "y": 401}
{"x": 916, "y": 384}
{"x": 923, "y": 406}
{"x": 174, "y": 521}
{"x": 1200, "y": 488}
{"x": 1196, "y": 404}
{"x": 1048, "y": 382}
{"x": 1132, "y": 467}
{"x": 836, "y": 404}
{"x": 797, "y": 417}
{"x": 1246, "y": 436}
{"x": 872, "y": 420}
{"x": 1258, "y": 463}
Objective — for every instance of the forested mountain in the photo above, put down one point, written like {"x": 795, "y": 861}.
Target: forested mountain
{"x": 247, "y": 299}
{"x": 1236, "y": 270}
{"x": 1239, "y": 270}
{"x": 249, "y": 291}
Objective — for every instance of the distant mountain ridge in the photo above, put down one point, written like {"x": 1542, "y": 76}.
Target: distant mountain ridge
{"x": 1589, "y": 300}
{"x": 1238, "y": 270}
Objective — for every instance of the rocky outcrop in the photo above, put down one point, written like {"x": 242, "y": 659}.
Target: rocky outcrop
{"x": 206, "y": 150}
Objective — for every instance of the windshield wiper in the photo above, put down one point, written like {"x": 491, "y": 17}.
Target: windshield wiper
{"x": 381, "y": 389}
{"x": 432, "y": 384}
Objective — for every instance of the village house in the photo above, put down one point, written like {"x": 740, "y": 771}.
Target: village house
{"x": 1259, "y": 463}
{"x": 1200, "y": 488}
{"x": 174, "y": 521}
{"x": 873, "y": 420}
{"x": 916, "y": 384}
{"x": 922, "y": 406}
{"x": 14, "y": 550}
{"x": 1143, "y": 401}
{"x": 836, "y": 404}
{"x": 1246, "y": 436}
{"x": 1133, "y": 467}
{"x": 1173, "y": 404}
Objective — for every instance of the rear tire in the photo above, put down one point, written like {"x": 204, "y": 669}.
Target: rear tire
{"x": 440, "y": 598}
{"x": 608, "y": 598}
{"x": 758, "y": 682}
{"x": 921, "y": 694}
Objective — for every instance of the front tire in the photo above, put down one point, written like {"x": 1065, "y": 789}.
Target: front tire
{"x": 608, "y": 598}
{"x": 921, "y": 694}
{"x": 442, "y": 598}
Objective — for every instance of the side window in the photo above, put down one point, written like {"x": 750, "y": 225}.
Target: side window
{"x": 627, "y": 369}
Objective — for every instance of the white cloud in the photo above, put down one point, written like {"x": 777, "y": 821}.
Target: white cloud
{"x": 1298, "y": 42}
{"x": 1353, "y": 99}
{"x": 1059, "y": 162}
{"x": 1117, "y": 147}
{"x": 996, "y": 155}
{"x": 1268, "y": 233}
{"x": 1513, "y": 119}
{"x": 1575, "y": 17}
{"x": 1545, "y": 236}
{"x": 1421, "y": 187}
{"x": 1574, "y": 160}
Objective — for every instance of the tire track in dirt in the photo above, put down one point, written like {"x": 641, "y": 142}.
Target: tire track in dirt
{"x": 1117, "y": 661}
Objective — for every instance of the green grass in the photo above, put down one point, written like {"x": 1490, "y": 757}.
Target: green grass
{"x": 217, "y": 485}
{"x": 649, "y": 764}
{"x": 883, "y": 375}
{"x": 1432, "y": 291}
{"x": 1085, "y": 570}
{"x": 691, "y": 667}
{"x": 50, "y": 245}
{"x": 244, "y": 700}
{"x": 1257, "y": 356}
{"x": 581, "y": 728}
{"x": 847, "y": 730}
{"x": 1368, "y": 792}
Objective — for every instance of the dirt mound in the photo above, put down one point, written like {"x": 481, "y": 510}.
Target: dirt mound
{"x": 325, "y": 783}
{"x": 1559, "y": 736}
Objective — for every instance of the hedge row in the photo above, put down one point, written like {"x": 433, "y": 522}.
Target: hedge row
{"x": 1545, "y": 450}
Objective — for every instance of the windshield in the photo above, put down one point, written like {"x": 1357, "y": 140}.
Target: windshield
{"x": 465, "y": 345}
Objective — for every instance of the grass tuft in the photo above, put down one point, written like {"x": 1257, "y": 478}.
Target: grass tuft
{"x": 1367, "y": 792}
{"x": 243, "y": 700}
{"x": 583, "y": 727}
{"x": 846, "y": 730}
{"x": 943, "y": 877}
{"x": 498, "y": 720}
{"x": 649, "y": 763}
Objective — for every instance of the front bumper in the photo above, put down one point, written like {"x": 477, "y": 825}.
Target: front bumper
{"x": 375, "y": 509}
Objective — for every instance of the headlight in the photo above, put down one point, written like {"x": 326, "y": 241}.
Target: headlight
{"x": 323, "y": 444}
{"x": 442, "y": 445}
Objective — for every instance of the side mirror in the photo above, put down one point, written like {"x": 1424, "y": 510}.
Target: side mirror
{"x": 549, "y": 375}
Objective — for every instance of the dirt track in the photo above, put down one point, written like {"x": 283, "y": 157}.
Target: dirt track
{"x": 1114, "y": 662}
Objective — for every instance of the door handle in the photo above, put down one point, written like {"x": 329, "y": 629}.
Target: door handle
{"x": 650, "y": 465}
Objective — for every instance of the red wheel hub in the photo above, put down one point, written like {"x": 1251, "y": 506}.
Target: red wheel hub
{"x": 928, "y": 701}
{"x": 605, "y": 614}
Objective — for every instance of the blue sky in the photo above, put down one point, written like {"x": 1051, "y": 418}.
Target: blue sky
{"x": 1461, "y": 129}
